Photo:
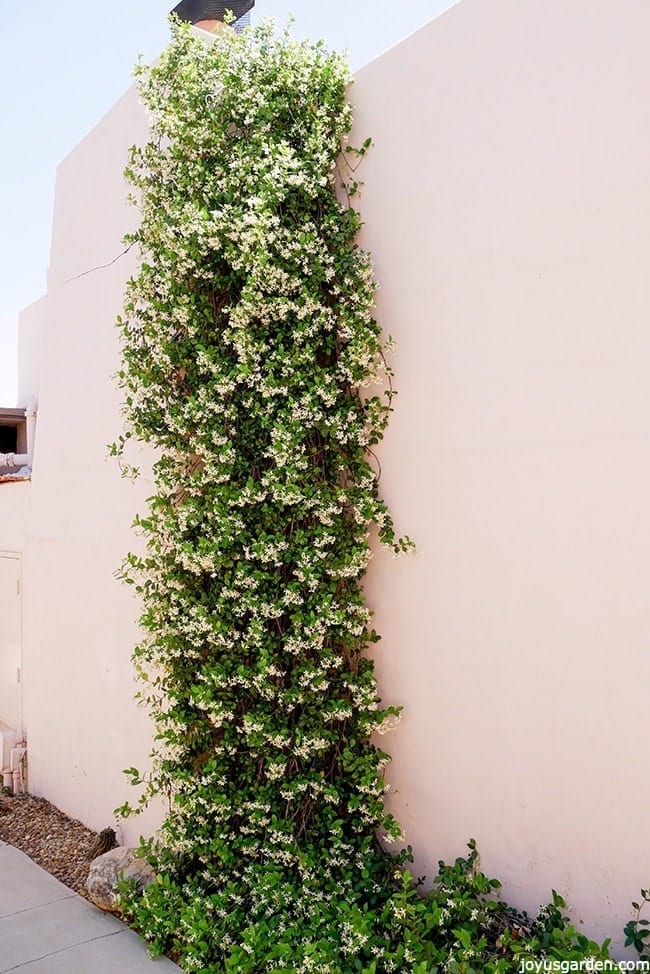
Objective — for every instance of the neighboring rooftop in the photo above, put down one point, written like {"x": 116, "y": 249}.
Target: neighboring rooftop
{"x": 13, "y": 440}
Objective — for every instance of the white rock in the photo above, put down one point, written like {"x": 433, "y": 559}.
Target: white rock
{"x": 106, "y": 872}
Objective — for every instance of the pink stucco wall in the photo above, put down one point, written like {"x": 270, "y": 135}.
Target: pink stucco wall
{"x": 507, "y": 202}
{"x": 80, "y": 628}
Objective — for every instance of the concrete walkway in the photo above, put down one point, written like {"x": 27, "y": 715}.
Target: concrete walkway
{"x": 45, "y": 928}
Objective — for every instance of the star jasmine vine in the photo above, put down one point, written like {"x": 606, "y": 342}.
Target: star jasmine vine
{"x": 248, "y": 342}
{"x": 251, "y": 360}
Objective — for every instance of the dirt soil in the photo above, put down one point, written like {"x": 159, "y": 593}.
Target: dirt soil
{"x": 62, "y": 846}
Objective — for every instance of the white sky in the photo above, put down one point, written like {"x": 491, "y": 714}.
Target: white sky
{"x": 64, "y": 63}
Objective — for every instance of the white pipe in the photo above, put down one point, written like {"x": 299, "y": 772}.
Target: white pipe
{"x": 30, "y": 416}
{"x": 14, "y": 460}
{"x": 18, "y": 755}
{"x": 18, "y": 759}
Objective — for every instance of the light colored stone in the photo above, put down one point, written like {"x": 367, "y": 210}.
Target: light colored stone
{"x": 108, "y": 870}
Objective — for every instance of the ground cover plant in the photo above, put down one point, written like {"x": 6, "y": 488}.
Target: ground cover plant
{"x": 251, "y": 356}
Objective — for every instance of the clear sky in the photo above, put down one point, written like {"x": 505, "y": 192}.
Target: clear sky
{"x": 62, "y": 66}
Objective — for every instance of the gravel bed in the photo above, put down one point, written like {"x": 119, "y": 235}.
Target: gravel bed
{"x": 62, "y": 846}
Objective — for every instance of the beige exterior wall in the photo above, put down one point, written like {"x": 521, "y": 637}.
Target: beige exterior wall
{"x": 507, "y": 202}
{"x": 508, "y": 205}
{"x": 79, "y": 629}
{"x": 14, "y": 513}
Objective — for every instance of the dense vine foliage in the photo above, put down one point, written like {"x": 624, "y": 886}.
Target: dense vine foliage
{"x": 250, "y": 355}
{"x": 248, "y": 336}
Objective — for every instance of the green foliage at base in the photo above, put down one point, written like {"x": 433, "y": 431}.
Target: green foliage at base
{"x": 250, "y": 358}
{"x": 381, "y": 923}
{"x": 637, "y": 931}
